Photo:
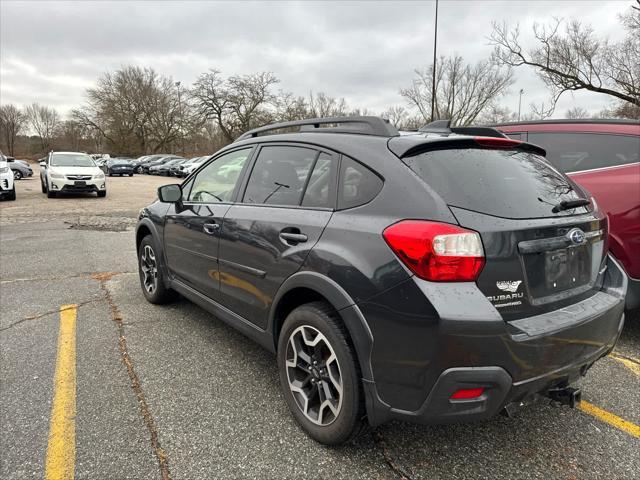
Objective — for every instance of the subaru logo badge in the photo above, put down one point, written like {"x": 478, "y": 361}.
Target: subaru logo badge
{"x": 576, "y": 236}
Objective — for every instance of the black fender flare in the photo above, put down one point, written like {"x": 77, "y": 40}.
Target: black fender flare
{"x": 340, "y": 300}
{"x": 147, "y": 223}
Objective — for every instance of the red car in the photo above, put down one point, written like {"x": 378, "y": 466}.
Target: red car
{"x": 603, "y": 156}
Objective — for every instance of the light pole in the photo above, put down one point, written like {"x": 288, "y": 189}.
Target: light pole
{"x": 433, "y": 80}
{"x": 177, "y": 84}
{"x": 520, "y": 103}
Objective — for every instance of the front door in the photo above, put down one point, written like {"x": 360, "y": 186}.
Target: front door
{"x": 267, "y": 236}
{"x": 192, "y": 229}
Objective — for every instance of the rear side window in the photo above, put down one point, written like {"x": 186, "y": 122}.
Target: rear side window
{"x": 503, "y": 183}
{"x": 279, "y": 175}
{"x": 319, "y": 188}
{"x": 358, "y": 185}
{"x": 573, "y": 152}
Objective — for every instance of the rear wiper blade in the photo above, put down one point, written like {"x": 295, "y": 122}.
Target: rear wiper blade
{"x": 569, "y": 204}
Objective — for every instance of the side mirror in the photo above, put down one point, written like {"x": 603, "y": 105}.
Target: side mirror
{"x": 170, "y": 193}
{"x": 42, "y": 164}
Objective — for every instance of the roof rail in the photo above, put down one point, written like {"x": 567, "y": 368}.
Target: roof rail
{"x": 363, "y": 125}
{"x": 444, "y": 127}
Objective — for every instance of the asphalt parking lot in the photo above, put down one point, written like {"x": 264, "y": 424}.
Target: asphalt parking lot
{"x": 172, "y": 392}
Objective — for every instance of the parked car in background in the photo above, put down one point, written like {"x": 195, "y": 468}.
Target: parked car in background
{"x": 176, "y": 167}
{"x": 417, "y": 277}
{"x": 7, "y": 184}
{"x": 143, "y": 161}
{"x": 165, "y": 168}
{"x": 71, "y": 172}
{"x": 20, "y": 168}
{"x": 119, "y": 166}
{"x": 603, "y": 156}
{"x": 156, "y": 160}
{"x": 187, "y": 168}
{"x": 101, "y": 163}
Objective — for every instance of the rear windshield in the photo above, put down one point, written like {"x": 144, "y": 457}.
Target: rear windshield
{"x": 503, "y": 183}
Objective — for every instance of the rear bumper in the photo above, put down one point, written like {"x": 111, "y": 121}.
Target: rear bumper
{"x": 514, "y": 365}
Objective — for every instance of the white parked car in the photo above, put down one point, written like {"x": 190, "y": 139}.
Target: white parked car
{"x": 187, "y": 168}
{"x": 71, "y": 172}
{"x": 7, "y": 186}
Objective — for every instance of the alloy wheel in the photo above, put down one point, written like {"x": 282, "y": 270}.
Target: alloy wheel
{"x": 314, "y": 376}
{"x": 149, "y": 268}
{"x": 17, "y": 175}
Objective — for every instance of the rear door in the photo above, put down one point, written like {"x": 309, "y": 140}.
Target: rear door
{"x": 536, "y": 260}
{"x": 192, "y": 228}
{"x": 267, "y": 235}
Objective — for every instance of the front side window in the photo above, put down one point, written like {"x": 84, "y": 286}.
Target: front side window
{"x": 216, "y": 182}
{"x": 573, "y": 152}
{"x": 279, "y": 175}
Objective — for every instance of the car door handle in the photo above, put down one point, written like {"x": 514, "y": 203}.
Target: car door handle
{"x": 290, "y": 237}
{"x": 210, "y": 228}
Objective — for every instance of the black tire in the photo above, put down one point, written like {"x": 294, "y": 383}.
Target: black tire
{"x": 43, "y": 186}
{"x": 349, "y": 421}
{"x": 17, "y": 175}
{"x": 110, "y": 174}
{"x": 12, "y": 195}
{"x": 160, "y": 293}
{"x": 102, "y": 193}
{"x": 131, "y": 174}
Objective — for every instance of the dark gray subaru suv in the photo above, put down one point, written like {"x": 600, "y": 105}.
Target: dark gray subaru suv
{"x": 447, "y": 275}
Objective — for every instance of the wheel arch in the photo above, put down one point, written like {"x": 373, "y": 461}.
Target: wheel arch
{"x": 305, "y": 287}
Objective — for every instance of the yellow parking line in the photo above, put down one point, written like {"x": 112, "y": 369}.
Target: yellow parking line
{"x": 632, "y": 365}
{"x": 610, "y": 418}
{"x": 61, "y": 452}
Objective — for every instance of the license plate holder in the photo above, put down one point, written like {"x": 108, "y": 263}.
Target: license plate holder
{"x": 567, "y": 268}
{"x": 80, "y": 183}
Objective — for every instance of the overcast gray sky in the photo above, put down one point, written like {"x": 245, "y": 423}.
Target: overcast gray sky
{"x": 50, "y": 52}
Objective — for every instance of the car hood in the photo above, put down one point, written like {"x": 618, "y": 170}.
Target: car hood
{"x": 76, "y": 170}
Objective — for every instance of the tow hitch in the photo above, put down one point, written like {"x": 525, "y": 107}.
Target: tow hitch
{"x": 566, "y": 396}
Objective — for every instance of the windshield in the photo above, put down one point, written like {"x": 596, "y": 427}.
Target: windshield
{"x": 119, "y": 161}
{"x": 503, "y": 183}
{"x": 71, "y": 160}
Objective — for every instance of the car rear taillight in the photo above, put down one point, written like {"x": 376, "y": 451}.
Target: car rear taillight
{"x": 438, "y": 252}
{"x": 497, "y": 142}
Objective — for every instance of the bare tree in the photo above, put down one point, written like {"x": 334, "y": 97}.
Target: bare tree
{"x": 397, "y": 115}
{"x": 322, "y": 105}
{"x": 627, "y": 110}
{"x": 463, "y": 91}
{"x": 12, "y": 120}
{"x": 44, "y": 121}
{"x": 135, "y": 110}
{"x": 290, "y": 107}
{"x": 497, "y": 114}
{"x": 573, "y": 58}
{"x": 238, "y": 103}
{"x": 576, "y": 113}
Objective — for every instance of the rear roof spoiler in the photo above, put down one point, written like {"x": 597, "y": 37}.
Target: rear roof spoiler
{"x": 444, "y": 127}
{"x": 410, "y": 145}
{"x": 363, "y": 125}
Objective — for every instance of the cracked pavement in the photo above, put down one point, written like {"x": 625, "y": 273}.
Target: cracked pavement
{"x": 172, "y": 392}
